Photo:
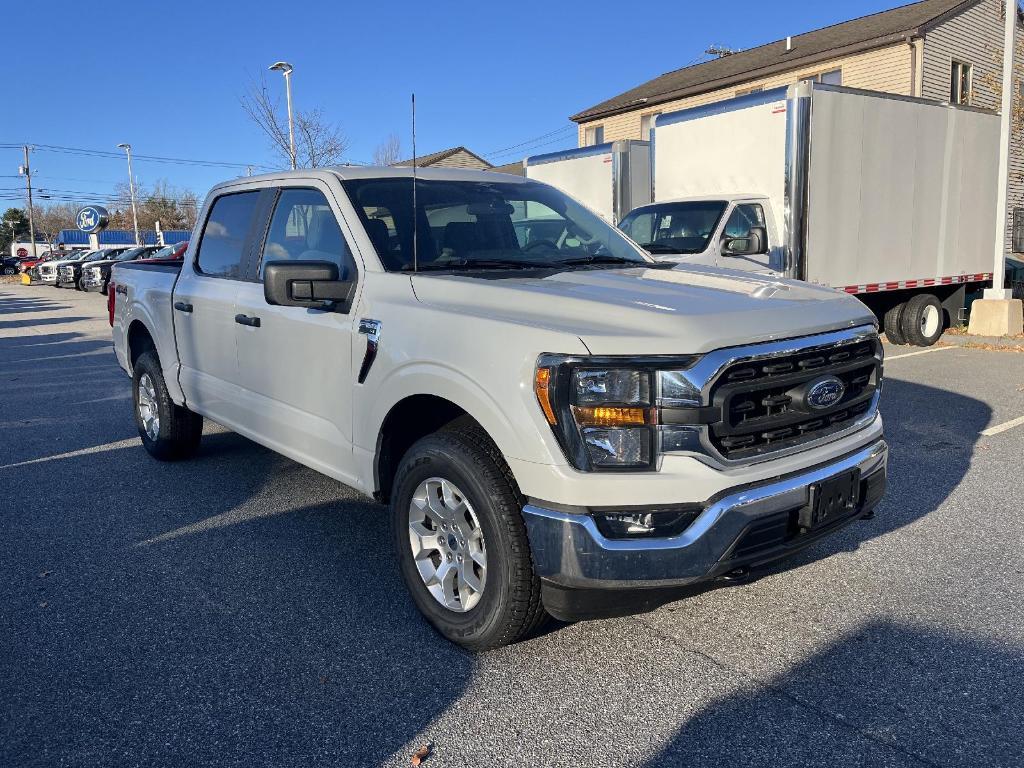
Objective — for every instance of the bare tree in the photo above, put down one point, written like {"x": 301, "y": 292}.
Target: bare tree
{"x": 54, "y": 218}
{"x": 388, "y": 152}
{"x": 317, "y": 141}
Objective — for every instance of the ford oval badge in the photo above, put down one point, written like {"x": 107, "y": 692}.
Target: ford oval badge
{"x": 824, "y": 393}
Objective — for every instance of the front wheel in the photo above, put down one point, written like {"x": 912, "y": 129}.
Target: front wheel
{"x": 168, "y": 431}
{"x": 461, "y": 540}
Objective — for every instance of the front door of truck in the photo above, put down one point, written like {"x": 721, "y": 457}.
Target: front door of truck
{"x": 740, "y": 220}
{"x": 296, "y": 364}
{"x": 204, "y": 307}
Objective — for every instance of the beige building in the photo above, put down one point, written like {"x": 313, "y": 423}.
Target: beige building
{"x": 949, "y": 50}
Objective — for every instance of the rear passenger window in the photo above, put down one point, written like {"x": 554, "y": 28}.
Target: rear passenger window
{"x": 221, "y": 246}
{"x": 304, "y": 228}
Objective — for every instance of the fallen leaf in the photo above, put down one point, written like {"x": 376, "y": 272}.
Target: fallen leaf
{"x": 421, "y": 754}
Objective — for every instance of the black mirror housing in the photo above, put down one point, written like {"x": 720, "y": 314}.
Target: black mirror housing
{"x": 310, "y": 284}
{"x": 755, "y": 243}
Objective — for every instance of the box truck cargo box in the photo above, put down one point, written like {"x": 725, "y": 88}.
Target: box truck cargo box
{"x": 867, "y": 192}
{"x": 611, "y": 179}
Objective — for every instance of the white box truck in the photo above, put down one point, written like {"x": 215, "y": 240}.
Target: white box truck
{"x": 611, "y": 179}
{"x": 887, "y": 197}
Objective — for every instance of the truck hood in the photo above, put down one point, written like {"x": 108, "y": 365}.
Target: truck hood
{"x": 638, "y": 311}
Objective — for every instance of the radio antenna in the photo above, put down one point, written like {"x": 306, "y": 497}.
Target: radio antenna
{"x": 415, "y": 217}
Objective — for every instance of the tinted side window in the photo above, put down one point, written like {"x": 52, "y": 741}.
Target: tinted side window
{"x": 221, "y": 247}
{"x": 304, "y": 228}
{"x": 744, "y": 217}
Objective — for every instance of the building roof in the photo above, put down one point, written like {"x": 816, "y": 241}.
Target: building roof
{"x": 516, "y": 168}
{"x": 438, "y": 157}
{"x": 861, "y": 34}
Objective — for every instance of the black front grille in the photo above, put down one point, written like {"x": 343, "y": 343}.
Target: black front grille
{"x": 763, "y": 405}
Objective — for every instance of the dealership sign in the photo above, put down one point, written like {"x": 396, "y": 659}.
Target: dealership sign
{"x": 92, "y": 219}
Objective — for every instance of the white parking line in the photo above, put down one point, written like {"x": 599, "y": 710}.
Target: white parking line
{"x": 922, "y": 352}
{"x": 1003, "y": 427}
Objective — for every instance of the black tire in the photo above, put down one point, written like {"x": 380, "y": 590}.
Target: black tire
{"x": 180, "y": 430}
{"x": 80, "y": 284}
{"x": 509, "y": 607}
{"x": 892, "y": 326}
{"x": 923, "y": 320}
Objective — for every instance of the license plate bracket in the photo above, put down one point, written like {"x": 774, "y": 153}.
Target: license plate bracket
{"x": 831, "y": 500}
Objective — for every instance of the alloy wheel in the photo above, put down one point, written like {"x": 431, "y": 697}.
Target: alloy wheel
{"x": 447, "y": 544}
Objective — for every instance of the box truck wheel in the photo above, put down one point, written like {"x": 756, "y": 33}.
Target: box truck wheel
{"x": 922, "y": 320}
{"x": 892, "y": 324}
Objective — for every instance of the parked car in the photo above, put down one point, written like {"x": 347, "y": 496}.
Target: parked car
{"x": 9, "y": 265}
{"x": 69, "y": 272}
{"x": 566, "y": 428}
{"x": 96, "y": 274}
{"x": 174, "y": 252}
{"x": 47, "y": 268}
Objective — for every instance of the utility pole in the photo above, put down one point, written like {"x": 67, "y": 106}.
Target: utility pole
{"x": 131, "y": 190}
{"x": 31, "y": 213}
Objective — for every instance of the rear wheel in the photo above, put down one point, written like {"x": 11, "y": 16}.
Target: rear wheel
{"x": 891, "y": 323}
{"x": 922, "y": 320}
{"x": 168, "y": 431}
{"x": 461, "y": 540}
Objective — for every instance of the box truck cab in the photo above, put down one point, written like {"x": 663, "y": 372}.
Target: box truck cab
{"x": 734, "y": 232}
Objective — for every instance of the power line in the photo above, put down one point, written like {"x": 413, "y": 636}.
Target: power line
{"x": 507, "y": 150}
{"x": 112, "y": 155}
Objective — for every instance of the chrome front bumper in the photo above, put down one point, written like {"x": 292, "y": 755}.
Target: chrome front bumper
{"x": 570, "y": 553}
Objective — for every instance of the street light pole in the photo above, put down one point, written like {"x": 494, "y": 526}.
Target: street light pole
{"x": 286, "y": 69}
{"x": 131, "y": 190}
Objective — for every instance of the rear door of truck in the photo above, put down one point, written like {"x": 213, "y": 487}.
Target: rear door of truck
{"x": 204, "y": 306}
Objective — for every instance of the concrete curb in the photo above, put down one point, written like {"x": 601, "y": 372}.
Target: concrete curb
{"x": 1015, "y": 343}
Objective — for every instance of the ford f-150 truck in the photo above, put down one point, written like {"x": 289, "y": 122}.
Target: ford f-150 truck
{"x": 559, "y": 424}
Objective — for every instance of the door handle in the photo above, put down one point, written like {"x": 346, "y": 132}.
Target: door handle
{"x": 183, "y": 306}
{"x": 252, "y": 322}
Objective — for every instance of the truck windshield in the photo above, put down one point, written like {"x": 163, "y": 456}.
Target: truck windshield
{"x": 683, "y": 227}
{"x": 465, "y": 225}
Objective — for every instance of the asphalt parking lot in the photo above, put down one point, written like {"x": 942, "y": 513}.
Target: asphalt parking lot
{"x": 239, "y": 609}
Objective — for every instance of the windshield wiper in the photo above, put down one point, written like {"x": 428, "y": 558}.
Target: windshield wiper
{"x": 602, "y": 258}
{"x": 458, "y": 266}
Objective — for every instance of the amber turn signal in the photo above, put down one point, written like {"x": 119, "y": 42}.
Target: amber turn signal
{"x": 541, "y": 384}
{"x": 606, "y": 416}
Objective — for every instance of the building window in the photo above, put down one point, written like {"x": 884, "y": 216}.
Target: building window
{"x": 960, "y": 83}
{"x": 832, "y": 77}
{"x": 594, "y": 135}
{"x": 647, "y": 125}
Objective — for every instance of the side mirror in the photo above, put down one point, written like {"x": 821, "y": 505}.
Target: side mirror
{"x": 756, "y": 242}
{"x": 310, "y": 284}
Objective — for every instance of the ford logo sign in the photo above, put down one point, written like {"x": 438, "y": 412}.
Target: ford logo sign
{"x": 824, "y": 393}
{"x": 92, "y": 219}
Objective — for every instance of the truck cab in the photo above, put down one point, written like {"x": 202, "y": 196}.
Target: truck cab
{"x": 728, "y": 231}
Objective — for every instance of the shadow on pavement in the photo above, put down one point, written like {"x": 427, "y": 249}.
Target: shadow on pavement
{"x": 236, "y": 607}
{"x": 888, "y": 694}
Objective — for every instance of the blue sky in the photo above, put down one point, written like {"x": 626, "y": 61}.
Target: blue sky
{"x": 488, "y": 75}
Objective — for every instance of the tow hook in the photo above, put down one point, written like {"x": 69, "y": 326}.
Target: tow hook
{"x": 869, "y": 515}
{"x": 737, "y": 574}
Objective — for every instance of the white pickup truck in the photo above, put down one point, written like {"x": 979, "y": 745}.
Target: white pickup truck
{"x": 559, "y": 424}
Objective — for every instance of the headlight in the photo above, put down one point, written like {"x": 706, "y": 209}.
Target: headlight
{"x": 605, "y": 411}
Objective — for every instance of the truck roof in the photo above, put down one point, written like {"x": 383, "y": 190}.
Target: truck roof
{"x": 378, "y": 172}
{"x": 731, "y": 196}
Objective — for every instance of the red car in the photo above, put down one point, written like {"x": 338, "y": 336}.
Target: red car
{"x": 174, "y": 252}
